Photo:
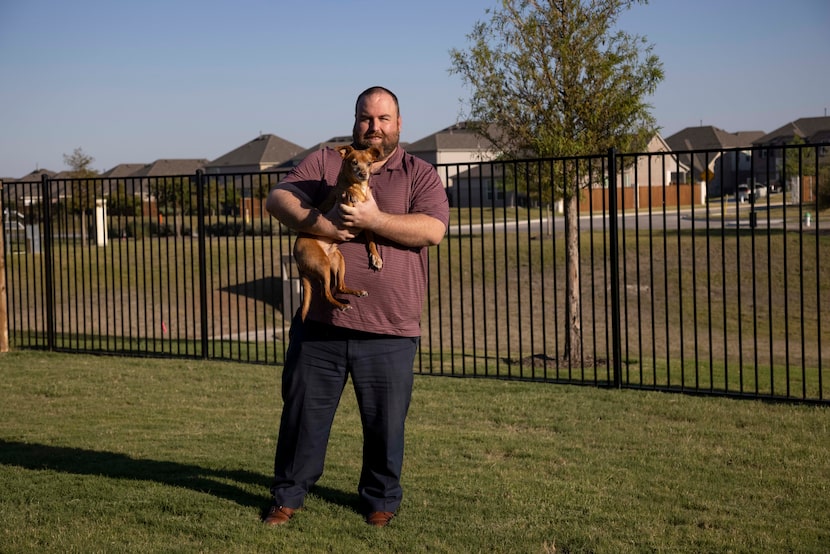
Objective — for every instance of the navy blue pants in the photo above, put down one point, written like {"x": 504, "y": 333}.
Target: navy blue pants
{"x": 318, "y": 363}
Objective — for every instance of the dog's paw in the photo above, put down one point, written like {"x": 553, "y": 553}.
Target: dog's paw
{"x": 375, "y": 263}
{"x": 345, "y": 307}
{"x": 363, "y": 293}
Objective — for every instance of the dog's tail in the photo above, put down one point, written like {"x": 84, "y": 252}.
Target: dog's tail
{"x": 306, "y": 297}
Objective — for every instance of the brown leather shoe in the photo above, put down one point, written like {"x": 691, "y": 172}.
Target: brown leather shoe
{"x": 380, "y": 519}
{"x": 278, "y": 515}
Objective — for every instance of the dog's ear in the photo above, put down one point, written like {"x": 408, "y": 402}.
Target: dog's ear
{"x": 344, "y": 150}
{"x": 375, "y": 152}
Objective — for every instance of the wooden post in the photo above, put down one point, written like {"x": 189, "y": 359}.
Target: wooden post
{"x": 4, "y": 313}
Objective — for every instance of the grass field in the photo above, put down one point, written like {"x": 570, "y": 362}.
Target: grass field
{"x": 713, "y": 309}
{"x": 105, "y": 454}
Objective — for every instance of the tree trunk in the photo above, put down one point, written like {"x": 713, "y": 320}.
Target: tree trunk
{"x": 573, "y": 337}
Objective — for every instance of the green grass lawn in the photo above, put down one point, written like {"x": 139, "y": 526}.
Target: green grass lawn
{"x": 104, "y": 454}
{"x": 729, "y": 309}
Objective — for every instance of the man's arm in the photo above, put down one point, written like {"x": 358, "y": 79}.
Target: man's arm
{"x": 293, "y": 208}
{"x": 411, "y": 230}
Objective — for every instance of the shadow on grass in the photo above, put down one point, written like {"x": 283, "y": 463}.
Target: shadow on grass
{"x": 80, "y": 461}
{"x": 348, "y": 500}
{"x": 267, "y": 290}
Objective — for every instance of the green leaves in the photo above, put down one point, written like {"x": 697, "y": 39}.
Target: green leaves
{"x": 556, "y": 79}
{"x": 79, "y": 163}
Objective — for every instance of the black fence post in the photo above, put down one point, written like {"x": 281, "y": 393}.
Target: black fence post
{"x": 200, "y": 225}
{"x": 49, "y": 280}
{"x": 613, "y": 222}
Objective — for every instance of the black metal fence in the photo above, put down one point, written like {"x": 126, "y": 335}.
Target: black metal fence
{"x": 672, "y": 288}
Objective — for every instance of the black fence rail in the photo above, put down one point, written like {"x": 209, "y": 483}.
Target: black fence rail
{"x": 699, "y": 271}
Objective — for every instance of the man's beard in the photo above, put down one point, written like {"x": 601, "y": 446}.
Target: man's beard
{"x": 387, "y": 145}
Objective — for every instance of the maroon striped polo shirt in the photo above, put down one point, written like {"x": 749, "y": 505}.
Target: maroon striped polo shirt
{"x": 405, "y": 184}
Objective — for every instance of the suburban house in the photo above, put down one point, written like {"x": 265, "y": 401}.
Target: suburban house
{"x": 35, "y": 176}
{"x": 466, "y": 181}
{"x": 654, "y": 171}
{"x": 811, "y": 130}
{"x": 333, "y": 142}
{"x": 456, "y": 145}
{"x": 264, "y": 153}
{"x": 807, "y": 130}
{"x": 656, "y": 179}
{"x": 138, "y": 179}
{"x": 722, "y": 159}
{"x": 158, "y": 168}
{"x": 470, "y": 184}
{"x": 123, "y": 170}
{"x": 29, "y": 193}
{"x": 260, "y": 154}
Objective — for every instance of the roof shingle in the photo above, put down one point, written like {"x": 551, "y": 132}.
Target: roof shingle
{"x": 264, "y": 151}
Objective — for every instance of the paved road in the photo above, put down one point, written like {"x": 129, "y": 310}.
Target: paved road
{"x": 696, "y": 217}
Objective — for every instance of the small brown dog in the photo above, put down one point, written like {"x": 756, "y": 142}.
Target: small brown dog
{"x": 319, "y": 259}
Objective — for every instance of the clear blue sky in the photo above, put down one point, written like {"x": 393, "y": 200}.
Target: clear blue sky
{"x": 135, "y": 81}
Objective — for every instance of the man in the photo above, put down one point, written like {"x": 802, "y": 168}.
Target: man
{"x": 375, "y": 341}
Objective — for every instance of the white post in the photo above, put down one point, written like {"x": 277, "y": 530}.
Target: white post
{"x": 291, "y": 288}
{"x": 101, "y": 221}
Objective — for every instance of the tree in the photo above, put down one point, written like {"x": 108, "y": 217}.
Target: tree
{"x": 556, "y": 79}
{"x": 171, "y": 195}
{"x": 79, "y": 163}
{"x": 211, "y": 197}
{"x": 122, "y": 203}
{"x": 799, "y": 160}
{"x": 230, "y": 202}
{"x": 262, "y": 187}
{"x": 83, "y": 198}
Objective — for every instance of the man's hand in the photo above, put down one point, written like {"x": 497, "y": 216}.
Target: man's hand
{"x": 294, "y": 209}
{"x": 341, "y": 230}
{"x": 363, "y": 215}
{"x": 412, "y": 230}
